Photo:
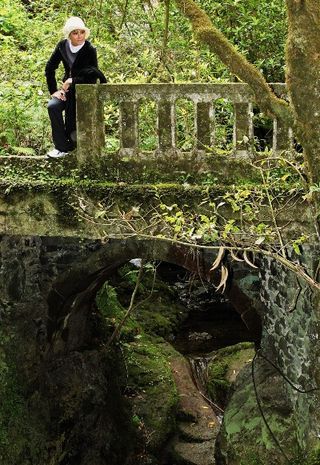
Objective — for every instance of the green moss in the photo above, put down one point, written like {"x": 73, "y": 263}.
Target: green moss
{"x": 152, "y": 389}
{"x": 220, "y": 371}
{"x": 37, "y": 210}
{"x": 150, "y": 385}
{"x": 313, "y": 457}
{"x": 214, "y": 168}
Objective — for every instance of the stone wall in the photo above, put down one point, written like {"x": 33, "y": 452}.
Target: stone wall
{"x": 291, "y": 338}
{"x": 272, "y": 416}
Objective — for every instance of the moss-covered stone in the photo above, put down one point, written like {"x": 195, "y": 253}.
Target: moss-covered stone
{"x": 152, "y": 390}
{"x": 259, "y": 424}
{"x": 23, "y": 437}
{"x": 224, "y": 368}
{"x": 150, "y": 385}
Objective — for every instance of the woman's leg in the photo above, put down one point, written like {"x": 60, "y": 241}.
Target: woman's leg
{"x": 59, "y": 137}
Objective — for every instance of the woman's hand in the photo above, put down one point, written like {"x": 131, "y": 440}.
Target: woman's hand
{"x": 67, "y": 84}
{"x": 60, "y": 94}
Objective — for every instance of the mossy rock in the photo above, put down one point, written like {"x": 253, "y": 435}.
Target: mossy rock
{"x": 22, "y": 433}
{"x": 224, "y": 367}
{"x": 150, "y": 386}
{"x": 152, "y": 389}
{"x": 259, "y": 417}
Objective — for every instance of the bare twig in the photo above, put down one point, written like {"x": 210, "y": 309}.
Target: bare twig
{"x": 118, "y": 328}
{"x": 124, "y": 14}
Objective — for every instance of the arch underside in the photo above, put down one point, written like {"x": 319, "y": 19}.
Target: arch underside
{"x": 73, "y": 291}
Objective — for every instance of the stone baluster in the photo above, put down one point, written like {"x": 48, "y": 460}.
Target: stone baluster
{"x": 282, "y": 136}
{"x": 90, "y": 118}
{"x": 129, "y": 127}
{"x": 204, "y": 125}
{"x": 166, "y": 126}
{"x": 242, "y": 128}
{"x": 90, "y": 123}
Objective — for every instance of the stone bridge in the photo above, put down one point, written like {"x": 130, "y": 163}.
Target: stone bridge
{"x": 53, "y": 260}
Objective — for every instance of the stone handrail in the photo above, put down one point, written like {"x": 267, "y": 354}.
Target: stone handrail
{"x": 90, "y": 119}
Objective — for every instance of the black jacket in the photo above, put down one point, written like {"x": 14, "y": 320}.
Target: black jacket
{"x": 83, "y": 71}
{"x": 87, "y": 57}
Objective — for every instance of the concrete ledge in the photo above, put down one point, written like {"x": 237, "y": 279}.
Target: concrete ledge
{"x": 50, "y": 207}
{"x": 195, "y": 168}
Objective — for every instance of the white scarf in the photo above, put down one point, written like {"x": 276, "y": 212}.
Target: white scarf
{"x": 75, "y": 48}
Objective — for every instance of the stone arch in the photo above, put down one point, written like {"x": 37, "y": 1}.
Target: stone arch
{"x": 73, "y": 291}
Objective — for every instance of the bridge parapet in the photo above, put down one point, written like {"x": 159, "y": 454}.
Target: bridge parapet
{"x": 91, "y": 100}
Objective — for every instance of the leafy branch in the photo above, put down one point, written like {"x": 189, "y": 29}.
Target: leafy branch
{"x": 178, "y": 229}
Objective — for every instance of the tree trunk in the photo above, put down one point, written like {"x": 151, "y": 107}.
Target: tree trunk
{"x": 303, "y": 78}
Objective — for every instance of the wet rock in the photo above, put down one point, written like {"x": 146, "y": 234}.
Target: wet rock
{"x": 194, "y": 453}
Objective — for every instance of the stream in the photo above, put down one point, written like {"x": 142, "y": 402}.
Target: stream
{"x": 211, "y": 324}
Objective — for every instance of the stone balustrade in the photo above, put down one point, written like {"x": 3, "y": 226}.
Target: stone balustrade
{"x": 92, "y": 99}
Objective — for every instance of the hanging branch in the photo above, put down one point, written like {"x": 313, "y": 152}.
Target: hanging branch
{"x": 164, "y": 48}
{"x": 155, "y": 225}
{"x": 163, "y": 55}
{"x": 124, "y": 14}
{"x": 99, "y": 9}
{"x": 132, "y": 307}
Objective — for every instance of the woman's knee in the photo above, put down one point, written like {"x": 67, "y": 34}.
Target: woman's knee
{"x": 55, "y": 105}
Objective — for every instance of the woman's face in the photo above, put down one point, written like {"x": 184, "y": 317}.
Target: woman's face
{"x": 77, "y": 37}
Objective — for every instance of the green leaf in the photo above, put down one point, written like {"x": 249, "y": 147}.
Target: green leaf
{"x": 296, "y": 248}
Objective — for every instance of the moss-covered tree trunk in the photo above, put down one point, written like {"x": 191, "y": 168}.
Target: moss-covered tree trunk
{"x": 303, "y": 77}
{"x": 207, "y": 33}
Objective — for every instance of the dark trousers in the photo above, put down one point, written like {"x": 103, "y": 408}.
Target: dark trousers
{"x": 61, "y": 139}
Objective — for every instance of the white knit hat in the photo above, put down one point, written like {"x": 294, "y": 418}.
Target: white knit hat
{"x": 73, "y": 23}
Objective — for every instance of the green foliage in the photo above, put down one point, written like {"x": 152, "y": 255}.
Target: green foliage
{"x": 22, "y": 118}
{"x": 113, "y": 313}
{"x": 107, "y": 301}
{"x": 314, "y": 457}
{"x": 257, "y": 28}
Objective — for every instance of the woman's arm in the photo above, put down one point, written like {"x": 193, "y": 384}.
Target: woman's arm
{"x": 50, "y": 70}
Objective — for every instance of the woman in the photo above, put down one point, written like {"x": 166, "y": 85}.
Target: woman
{"x": 79, "y": 59}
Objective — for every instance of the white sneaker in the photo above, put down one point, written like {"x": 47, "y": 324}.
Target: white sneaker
{"x": 55, "y": 153}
